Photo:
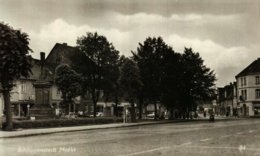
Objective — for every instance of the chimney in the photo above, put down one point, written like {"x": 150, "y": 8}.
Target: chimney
{"x": 65, "y": 44}
{"x": 42, "y": 54}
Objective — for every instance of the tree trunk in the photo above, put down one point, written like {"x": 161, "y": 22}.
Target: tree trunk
{"x": 116, "y": 106}
{"x": 155, "y": 111}
{"x": 133, "y": 118}
{"x": 94, "y": 108}
{"x": 172, "y": 115}
{"x": 94, "y": 100}
{"x": 8, "y": 112}
{"x": 140, "y": 107}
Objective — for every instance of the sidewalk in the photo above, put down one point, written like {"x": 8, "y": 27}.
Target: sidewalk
{"x": 41, "y": 131}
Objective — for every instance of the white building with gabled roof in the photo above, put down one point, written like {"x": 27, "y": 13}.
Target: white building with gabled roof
{"x": 248, "y": 89}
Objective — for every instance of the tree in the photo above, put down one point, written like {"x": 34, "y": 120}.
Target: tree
{"x": 104, "y": 56}
{"x": 171, "y": 82}
{"x": 15, "y": 62}
{"x": 69, "y": 83}
{"x": 130, "y": 83}
{"x": 150, "y": 60}
{"x": 197, "y": 80}
{"x": 113, "y": 91}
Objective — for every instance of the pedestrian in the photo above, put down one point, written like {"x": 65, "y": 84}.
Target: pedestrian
{"x": 211, "y": 117}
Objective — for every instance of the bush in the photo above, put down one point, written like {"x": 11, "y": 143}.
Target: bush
{"x": 64, "y": 122}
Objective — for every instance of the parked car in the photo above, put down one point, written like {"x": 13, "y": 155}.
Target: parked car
{"x": 100, "y": 114}
{"x": 150, "y": 115}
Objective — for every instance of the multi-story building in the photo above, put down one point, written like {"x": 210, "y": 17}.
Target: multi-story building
{"x": 23, "y": 94}
{"x": 248, "y": 89}
{"x": 227, "y": 100}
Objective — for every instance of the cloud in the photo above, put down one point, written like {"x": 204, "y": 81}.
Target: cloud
{"x": 125, "y": 31}
{"x": 226, "y": 61}
{"x": 59, "y": 31}
{"x": 179, "y": 31}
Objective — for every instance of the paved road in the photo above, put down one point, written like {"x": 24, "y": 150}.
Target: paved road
{"x": 225, "y": 138}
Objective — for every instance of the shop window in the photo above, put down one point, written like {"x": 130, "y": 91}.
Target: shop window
{"x": 257, "y": 110}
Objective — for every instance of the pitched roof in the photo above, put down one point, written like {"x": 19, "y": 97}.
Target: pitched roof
{"x": 253, "y": 68}
{"x": 62, "y": 54}
{"x": 59, "y": 48}
{"x": 36, "y": 71}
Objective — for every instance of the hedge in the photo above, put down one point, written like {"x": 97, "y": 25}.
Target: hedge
{"x": 64, "y": 122}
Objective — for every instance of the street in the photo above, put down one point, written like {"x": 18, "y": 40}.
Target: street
{"x": 225, "y": 138}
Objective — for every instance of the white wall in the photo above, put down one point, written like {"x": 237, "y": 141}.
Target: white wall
{"x": 23, "y": 90}
{"x": 55, "y": 94}
{"x": 250, "y": 87}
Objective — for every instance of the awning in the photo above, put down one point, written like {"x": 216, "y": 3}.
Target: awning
{"x": 256, "y": 104}
{"x": 22, "y": 102}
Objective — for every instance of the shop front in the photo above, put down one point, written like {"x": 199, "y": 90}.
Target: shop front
{"x": 21, "y": 109}
{"x": 256, "y": 107}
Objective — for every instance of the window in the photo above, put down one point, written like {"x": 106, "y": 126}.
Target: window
{"x": 243, "y": 81}
{"x": 257, "y": 80}
{"x": 257, "y": 93}
{"x": 244, "y": 94}
{"x": 23, "y": 87}
{"x": 58, "y": 92}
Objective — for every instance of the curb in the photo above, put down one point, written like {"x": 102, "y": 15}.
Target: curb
{"x": 85, "y": 128}
{"x": 13, "y": 135}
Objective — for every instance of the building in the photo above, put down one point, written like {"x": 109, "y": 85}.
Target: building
{"x": 227, "y": 100}
{"x": 22, "y": 96}
{"x": 25, "y": 92}
{"x": 248, "y": 89}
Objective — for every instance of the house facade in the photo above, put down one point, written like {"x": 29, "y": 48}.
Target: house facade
{"x": 248, "y": 89}
{"x": 23, "y": 95}
{"x": 227, "y": 100}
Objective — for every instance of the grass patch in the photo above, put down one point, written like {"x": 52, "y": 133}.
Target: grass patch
{"x": 46, "y": 123}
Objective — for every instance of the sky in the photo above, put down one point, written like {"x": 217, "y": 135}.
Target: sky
{"x": 226, "y": 33}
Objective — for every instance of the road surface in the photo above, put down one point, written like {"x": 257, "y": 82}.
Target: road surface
{"x": 222, "y": 138}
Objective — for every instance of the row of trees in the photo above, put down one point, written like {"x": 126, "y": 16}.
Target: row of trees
{"x": 154, "y": 73}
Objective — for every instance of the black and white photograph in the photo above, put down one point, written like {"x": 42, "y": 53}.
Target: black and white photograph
{"x": 130, "y": 77}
